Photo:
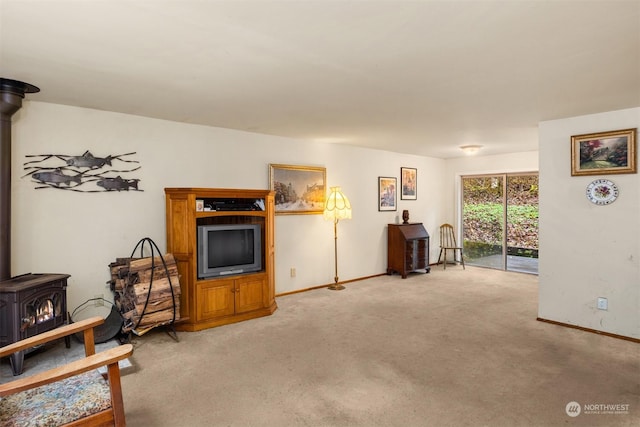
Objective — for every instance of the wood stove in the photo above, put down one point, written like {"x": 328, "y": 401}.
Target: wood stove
{"x": 29, "y": 305}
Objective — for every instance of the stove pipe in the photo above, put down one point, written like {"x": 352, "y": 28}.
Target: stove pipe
{"x": 11, "y": 95}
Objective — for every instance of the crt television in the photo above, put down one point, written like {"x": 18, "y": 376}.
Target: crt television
{"x": 225, "y": 249}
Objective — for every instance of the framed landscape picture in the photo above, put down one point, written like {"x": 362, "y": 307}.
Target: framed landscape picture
{"x": 604, "y": 153}
{"x": 387, "y": 193}
{"x": 298, "y": 189}
{"x": 409, "y": 181}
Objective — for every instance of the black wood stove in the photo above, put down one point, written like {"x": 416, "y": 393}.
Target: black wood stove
{"x": 29, "y": 305}
{"x": 32, "y": 303}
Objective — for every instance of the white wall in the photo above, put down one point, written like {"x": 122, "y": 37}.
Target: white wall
{"x": 588, "y": 251}
{"x": 57, "y": 231}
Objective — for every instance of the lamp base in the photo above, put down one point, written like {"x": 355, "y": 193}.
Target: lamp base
{"x": 335, "y": 287}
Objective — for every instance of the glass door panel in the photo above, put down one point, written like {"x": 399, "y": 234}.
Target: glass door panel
{"x": 522, "y": 223}
{"x": 483, "y": 220}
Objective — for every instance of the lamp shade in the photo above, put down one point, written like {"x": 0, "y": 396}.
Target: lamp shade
{"x": 337, "y": 205}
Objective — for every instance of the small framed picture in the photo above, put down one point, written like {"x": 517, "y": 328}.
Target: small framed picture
{"x": 387, "y": 190}
{"x": 199, "y": 205}
{"x": 604, "y": 153}
{"x": 409, "y": 181}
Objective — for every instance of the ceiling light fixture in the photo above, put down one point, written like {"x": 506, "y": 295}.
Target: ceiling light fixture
{"x": 470, "y": 149}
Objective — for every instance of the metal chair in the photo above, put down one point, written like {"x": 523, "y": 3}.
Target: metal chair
{"x": 448, "y": 243}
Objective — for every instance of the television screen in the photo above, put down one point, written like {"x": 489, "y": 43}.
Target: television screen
{"x": 229, "y": 249}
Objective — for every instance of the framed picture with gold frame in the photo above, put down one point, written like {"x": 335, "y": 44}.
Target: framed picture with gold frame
{"x": 604, "y": 153}
{"x": 298, "y": 189}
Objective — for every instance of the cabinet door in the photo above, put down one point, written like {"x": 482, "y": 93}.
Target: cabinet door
{"x": 215, "y": 299}
{"x": 250, "y": 293}
{"x": 179, "y": 223}
{"x": 410, "y": 256}
{"x": 421, "y": 254}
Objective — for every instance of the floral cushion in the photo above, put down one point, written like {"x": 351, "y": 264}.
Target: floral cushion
{"x": 57, "y": 403}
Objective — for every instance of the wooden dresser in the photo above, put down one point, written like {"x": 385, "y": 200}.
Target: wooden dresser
{"x": 407, "y": 249}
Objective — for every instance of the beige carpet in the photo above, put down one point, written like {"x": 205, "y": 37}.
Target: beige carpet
{"x": 449, "y": 348}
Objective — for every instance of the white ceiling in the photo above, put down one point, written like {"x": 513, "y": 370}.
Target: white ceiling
{"x": 421, "y": 77}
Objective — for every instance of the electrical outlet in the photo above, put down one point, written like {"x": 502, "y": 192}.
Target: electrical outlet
{"x": 98, "y": 302}
{"x": 293, "y": 272}
{"x": 602, "y": 303}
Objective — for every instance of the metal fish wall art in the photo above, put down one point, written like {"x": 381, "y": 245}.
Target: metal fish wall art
{"x": 117, "y": 184}
{"x": 56, "y": 177}
{"x": 68, "y": 172}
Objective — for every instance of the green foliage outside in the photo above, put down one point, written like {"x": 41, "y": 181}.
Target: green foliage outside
{"x": 483, "y": 216}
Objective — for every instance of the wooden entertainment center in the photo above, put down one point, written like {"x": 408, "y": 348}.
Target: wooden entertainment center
{"x": 205, "y": 303}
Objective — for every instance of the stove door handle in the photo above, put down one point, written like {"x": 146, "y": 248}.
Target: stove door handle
{"x": 26, "y": 322}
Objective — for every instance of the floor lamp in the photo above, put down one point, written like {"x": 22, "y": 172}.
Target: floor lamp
{"x": 336, "y": 208}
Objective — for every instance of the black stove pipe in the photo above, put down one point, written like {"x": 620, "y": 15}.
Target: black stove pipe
{"x": 11, "y": 94}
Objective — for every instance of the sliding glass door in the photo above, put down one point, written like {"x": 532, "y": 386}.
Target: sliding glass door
{"x": 500, "y": 221}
